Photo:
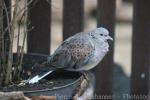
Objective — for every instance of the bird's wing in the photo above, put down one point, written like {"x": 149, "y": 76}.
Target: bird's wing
{"x": 73, "y": 53}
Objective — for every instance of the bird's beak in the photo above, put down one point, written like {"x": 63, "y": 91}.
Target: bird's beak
{"x": 110, "y": 38}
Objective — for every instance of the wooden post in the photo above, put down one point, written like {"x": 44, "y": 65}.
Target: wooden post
{"x": 39, "y": 16}
{"x": 105, "y": 18}
{"x": 72, "y": 17}
{"x": 140, "y": 48}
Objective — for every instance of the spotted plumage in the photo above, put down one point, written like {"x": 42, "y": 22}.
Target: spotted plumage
{"x": 83, "y": 51}
{"x": 80, "y": 52}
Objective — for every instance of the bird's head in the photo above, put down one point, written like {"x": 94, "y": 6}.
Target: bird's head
{"x": 101, "y": 34}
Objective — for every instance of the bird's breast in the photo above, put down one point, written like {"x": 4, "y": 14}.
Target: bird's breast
{"x": 100, "y": 51}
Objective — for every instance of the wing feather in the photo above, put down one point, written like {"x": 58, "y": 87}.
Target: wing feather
{"x": 73, "y": 53}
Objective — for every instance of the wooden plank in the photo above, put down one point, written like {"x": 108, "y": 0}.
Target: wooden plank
{"x": 140, "y": 48}
{"x": 105, "y": 18}
{"x": 72, "y": 17}
{"x": 39, "y": 15}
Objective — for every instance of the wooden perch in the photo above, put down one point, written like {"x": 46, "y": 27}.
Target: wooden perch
{"x": 13, "y": 96}
{"x": 43, "y": 98}
{"x": 20, "y": 96}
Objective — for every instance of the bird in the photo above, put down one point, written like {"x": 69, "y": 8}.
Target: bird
{"x": 80, "y": 52}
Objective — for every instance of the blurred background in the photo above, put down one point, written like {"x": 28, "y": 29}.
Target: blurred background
{"x": 123, "y": 28}
{"x": 123, "y": 35}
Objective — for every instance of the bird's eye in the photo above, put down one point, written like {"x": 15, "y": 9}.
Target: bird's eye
{"x": 101, "y": 34}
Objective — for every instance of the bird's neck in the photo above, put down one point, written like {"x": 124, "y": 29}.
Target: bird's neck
{"x": 102, "y": 45}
